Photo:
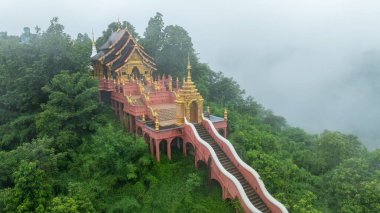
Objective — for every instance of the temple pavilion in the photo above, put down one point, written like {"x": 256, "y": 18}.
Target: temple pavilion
{"x": 169, "y": 115}
{"x": 146, "y": 104}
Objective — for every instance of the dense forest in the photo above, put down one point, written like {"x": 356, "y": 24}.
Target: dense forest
{"x": 61, "y": 150}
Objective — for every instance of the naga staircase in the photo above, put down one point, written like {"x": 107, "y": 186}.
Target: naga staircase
{"x": 236, "y": 178}
{"x": 231, "y": 168}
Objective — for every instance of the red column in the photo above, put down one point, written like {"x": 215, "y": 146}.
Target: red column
{"x": 151, "y": 147}
{"x": 157, "y": 151}
{"x": 125, "y": 120}
{"x": 184, "y": 150}
{"x": 121, "y": 112}
{"x": 130, "y": 123}
{"x": 115, "y": 107}
{"x": 169, "y": 149}
{"x": 225, "y": 132}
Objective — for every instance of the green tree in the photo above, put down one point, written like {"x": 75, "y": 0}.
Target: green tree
{"x": 24, "y": 69}
{"x": 153, "y": 35}
{"x": 305, "y": 204}
{"x": 344, "y": 185}
{"x": 31, "y": 192}
{"x": 63, "y": 204}
{"x": 37, "y": 151}
{"x": 72, "y": 111}
{"x": 225, "y": 90}
{"x": 370, "y": 195}
{"x": 176, "y": 46}
{"x": 334, "y": 147}
{"x": 117, "y": 154}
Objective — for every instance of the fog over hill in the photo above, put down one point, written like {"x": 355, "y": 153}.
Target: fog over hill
{"x": 316, "y": 63}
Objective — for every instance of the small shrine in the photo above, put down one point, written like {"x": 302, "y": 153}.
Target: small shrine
{"x": 189, "y": 101}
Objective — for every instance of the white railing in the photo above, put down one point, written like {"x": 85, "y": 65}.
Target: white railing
{"x": 238, "y": 185}
{"x": 250, "y": 169}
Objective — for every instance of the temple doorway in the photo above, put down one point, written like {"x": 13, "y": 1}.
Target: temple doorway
{"x": 136, "y": 74}
{"x": 194, "y": 112}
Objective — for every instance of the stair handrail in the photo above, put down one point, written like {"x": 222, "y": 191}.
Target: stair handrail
{"x": 238, "y": 185}
{"x": 250, "y": 169}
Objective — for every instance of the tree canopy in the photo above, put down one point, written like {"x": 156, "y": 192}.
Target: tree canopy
{"x": 62, "y": 151}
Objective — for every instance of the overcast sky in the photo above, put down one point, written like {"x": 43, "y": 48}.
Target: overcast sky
{"x": 314, "y": 62}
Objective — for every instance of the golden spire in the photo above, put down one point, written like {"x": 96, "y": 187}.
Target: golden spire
{"x": 188, "y": 68}
{"x": 94, "y": 52}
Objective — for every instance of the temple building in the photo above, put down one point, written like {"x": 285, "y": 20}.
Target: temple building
{"x": 170, "y": 115}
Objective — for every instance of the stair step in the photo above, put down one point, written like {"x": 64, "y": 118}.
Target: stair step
{"x": 252, "y": 194}
{"x": 236, "y": 174}
{"x": 261, "y": 206}
{"x": 229, "y": 167}
{"x": 256, "y": 199}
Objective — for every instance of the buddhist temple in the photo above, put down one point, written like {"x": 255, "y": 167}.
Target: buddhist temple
{"x": 169, "y": 115}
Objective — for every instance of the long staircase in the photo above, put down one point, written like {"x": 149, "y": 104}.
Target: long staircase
{"x": 228, "y": 165}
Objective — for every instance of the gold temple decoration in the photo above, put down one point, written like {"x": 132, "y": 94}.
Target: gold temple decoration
{"x": 170, "y": 85}
{"x": 143, "y": 118}
{"x": 225, "y": 114}
{"x": 147, "y": 98}
{"x": 156, "y": 123}
{"x": 188, "y": 68}
{"x": 189, "y": 102}
{"x": 208, "y": 111}
{"x": 129, "y": 99}
{"x": 176, "y": 95}
{"x": 155, "y": 85}
{"x": 142, "y": 88}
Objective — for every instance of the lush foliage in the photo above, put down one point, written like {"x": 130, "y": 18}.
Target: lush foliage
{"x": 60, "y": 150}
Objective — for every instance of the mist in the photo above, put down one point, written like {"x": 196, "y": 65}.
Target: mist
{"x": 314, "y": 62}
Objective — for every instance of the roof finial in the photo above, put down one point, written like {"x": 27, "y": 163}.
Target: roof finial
{"x": 118, "y": 24}
{"x": 93, "y": 38}
{"x": 188, "y": 68}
